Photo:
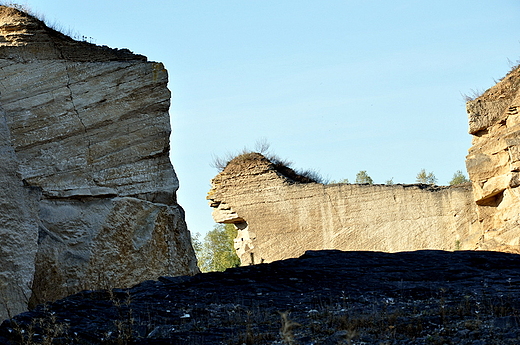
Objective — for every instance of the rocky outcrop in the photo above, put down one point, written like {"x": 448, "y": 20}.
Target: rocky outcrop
{"x": 88, "y": 190}
{"x": 278, "y": 217}
{"x": 423, "y": 297}
{"x": 493, "y": 163}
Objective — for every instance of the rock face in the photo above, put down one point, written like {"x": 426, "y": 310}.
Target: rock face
{"x": 493, "y": 163}
{"x": 278, "y": 217}
{"x": 88, "y": 191}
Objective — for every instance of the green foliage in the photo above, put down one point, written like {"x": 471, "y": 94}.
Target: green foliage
{"x": 390, "y": 182}
{"x": 458, "y": 178}
{"x": 362, "y": 177}
{"x": 217, "y": 252}
{"x": 426, "y": 178}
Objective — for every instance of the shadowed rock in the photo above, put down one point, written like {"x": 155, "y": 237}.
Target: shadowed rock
{"x": 406, "y": 298}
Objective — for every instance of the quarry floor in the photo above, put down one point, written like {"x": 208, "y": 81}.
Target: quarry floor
{"x": 323, "y": 297}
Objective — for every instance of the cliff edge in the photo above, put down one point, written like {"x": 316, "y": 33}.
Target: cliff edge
{"x": 88, "y": 191}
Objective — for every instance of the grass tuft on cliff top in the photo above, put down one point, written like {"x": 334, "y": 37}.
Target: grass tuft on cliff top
{"x": 262, "y": 151}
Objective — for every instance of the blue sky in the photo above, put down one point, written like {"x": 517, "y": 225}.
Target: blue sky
{"x": 334, "y": 86}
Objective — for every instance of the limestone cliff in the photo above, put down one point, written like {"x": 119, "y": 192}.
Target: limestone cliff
{"x": 279, "y": 217}
{"x": 88, "y": 190}
{"x": 493, "y": 163}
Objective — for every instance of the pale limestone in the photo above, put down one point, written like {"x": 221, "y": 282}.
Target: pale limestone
{"x": 91, "y": 194}
{"x": 493, "y": 163}
{"x": 279, "y": 218}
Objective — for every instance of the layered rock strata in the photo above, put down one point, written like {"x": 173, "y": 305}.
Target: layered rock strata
{"x": 278, "y": 217}
{"x": 88, "y": 194}
{"x": 493, "y": 163}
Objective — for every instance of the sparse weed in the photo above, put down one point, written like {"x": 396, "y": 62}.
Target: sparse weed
{"x": 288, "y": 326}
{"x": 472, "y": 95}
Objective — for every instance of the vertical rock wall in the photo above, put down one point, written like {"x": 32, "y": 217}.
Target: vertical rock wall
{"x": 493, "y": 163}
{"x": 278, "y": 217}
{"x": 84, "y": 148}
{"x": 18, "y": 229}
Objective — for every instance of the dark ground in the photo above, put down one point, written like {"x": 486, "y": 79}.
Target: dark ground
{"x": 323, "y": 297}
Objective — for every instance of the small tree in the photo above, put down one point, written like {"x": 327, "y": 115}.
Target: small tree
{"x": 390, "y": 182}
{"x": 458, "y": 178}
{"x": 362, "y": 177}
{"x": 426, "y": 178}
{"x": 217, "y": 251}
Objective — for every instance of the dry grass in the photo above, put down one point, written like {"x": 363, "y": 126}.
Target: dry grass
{"x": 247, "y": 157}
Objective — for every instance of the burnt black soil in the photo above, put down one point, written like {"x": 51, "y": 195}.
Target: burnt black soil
{"x": 323, "y": 297}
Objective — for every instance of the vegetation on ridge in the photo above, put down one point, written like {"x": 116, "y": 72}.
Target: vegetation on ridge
{"x": 458, "y": 178}
{"x": 55, "y": 26}
{"x": 363, "y": 178}
{"x": 283, "y": 166}
{"x": 426, "y": 178}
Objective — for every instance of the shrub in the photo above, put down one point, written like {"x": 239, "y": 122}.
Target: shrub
{"x": 426, "y": 178}
{"x": 458, "y": 178}
{"x": 363, "y": 178}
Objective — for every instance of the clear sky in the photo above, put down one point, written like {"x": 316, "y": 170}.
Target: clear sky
{"x": 334, "y": 86}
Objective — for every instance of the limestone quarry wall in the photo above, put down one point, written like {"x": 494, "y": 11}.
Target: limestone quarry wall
{"x": 279, "y": 218}
{"x": 493, "y": 163}
{"x": 87, "y": 197}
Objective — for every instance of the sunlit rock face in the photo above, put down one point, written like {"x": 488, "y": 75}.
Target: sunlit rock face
{"x": 493, "y": 163}
{"x": 280, "y": 215}
{"x": 88, "y": 197}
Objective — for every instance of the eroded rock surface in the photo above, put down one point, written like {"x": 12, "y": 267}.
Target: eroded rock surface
{"x": 423, "y": 297}
{"x": 279, "y": 217}
{"x": 493, "y": 163}
{"x": 84, "y": 147}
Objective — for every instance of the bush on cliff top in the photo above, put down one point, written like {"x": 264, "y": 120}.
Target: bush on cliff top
{"x": 458, "y": 178}
{"x": 283, "y": 166}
